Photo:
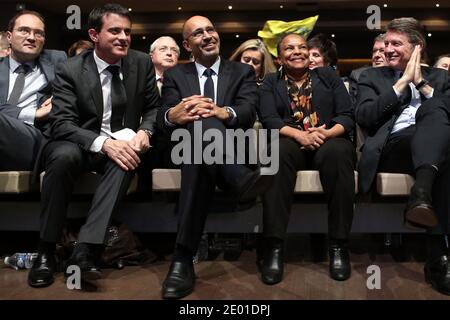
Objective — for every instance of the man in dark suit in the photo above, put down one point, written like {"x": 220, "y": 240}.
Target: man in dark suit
{"x": 401, "y": 108}
{"x": 26, "y": 78}
{"x": 378, "y": 60}
{"x": 99, "y": 99}
{"x": 210, "y": 93}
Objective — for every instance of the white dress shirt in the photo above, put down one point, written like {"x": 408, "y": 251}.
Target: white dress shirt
{"x": 35, "y": 80}
{"x": 408, "y": 116}
{"x": 105, "y": 82}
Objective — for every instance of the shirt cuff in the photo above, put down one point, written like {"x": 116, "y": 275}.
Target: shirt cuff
{"x": 233, "y": 119}
{"x": 166, "y": 120}
{"x": 396, "y": 92}
{"x": 27, "y": 115}
{"x": 97, "y": 145}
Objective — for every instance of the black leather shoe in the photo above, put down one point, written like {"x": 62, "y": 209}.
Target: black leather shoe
{"x": 41, "y": 273}
{"x": 437, "y": 273}
{"x": 340, "y": 268}
{"x": 419, "y": 211}
{"x": 271, "y": 265}
{"x": 84, "y": 258}
{"x": 253, "y": 184}
{"x": 180, "y": 280}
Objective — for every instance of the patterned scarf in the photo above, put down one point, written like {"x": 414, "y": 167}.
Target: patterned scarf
{"x": 301, "y": 103}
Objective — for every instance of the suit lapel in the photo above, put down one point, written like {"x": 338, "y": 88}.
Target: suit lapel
{"x": 4, "y": 80}
{"x": 90, "y": 73}
{"x": 192, "y": 79}
{"x": 222, "y": 82}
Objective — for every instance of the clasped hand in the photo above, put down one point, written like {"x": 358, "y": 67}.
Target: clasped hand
{"x": 193, "y": 108}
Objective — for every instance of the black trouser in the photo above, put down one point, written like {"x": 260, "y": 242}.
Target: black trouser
{"x": 198, "y": 183}
{"x": 64, "y": 162}
{"x": 19, "y": 144}
{"x": 335, "y": 161}
{"x": 423, "y": 143}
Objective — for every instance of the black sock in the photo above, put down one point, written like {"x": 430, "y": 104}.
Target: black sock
{"x": 425, "y": 176}
{"x": 46, "y": 247}
{"x": 273, "y": 242}
{"x": 437, "y": 246}
{"x": 182, "y": 254}
{"x": 338, "y": 242}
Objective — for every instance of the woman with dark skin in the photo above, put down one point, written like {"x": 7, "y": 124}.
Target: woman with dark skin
{"x": 313, "y": 113}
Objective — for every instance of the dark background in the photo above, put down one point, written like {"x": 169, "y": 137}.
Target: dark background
{"x": 345, "y": 19}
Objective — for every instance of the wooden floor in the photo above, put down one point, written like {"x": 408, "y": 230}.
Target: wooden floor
{"x": 238, "y": 280}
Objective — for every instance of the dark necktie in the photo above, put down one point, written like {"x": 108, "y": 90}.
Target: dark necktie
{"x": 118, "y": 99}
{"x": 17, "y": 90}
{"x": 208, "y": 89}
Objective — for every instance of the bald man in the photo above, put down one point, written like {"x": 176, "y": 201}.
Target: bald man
{"x": 212, "y": 93}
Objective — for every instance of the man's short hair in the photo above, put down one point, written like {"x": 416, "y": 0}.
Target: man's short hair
{"x": 12, "y": 22}
{"x": 155, "y": 43}
{"x": 95, "y": 20}
{"x": 447, "y": 55}
{"x": 411, "y": 28}
{"x": 4, "y": 43}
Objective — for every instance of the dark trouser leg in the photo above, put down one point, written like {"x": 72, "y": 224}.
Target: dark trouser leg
{"x": 63, "y": 162}
{"x": 277, "y": 201}
{"x": 19, "y": 144}
{"x": 198, "y": 183}
{"x": 113, "y": 186}
{"x": 335, "y": 161}
{"x": 429, "y": 144}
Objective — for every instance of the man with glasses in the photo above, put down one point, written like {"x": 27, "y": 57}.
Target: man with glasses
{"x": 164, "y": 53}
{"x": 209, "y": 93}
{"x": 26, "y": 78}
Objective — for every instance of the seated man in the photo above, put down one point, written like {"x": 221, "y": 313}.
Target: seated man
{"x": 210, "y": 93}
{"x": 26, "y": 78}
{"x": 98, "y": 96}
{"x": 402, "y": 109}
{"x": 164, "y": 53}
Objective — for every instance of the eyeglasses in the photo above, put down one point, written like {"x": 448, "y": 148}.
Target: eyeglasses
{"x": 198, "y": 33}
{"x": 169, "y": 49}
{"x": 26, "y": 31}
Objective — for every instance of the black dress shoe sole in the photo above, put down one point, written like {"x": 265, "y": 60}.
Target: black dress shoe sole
{"x": 40, "y": 284}
{"x": 422, "y": 214}
{"x": 91, "y": 275}
{"x": 412, "y": 226}
{"x": 340, "y": 277}
{"x": 177, "y": 295}
{"x": 436, "y": 286}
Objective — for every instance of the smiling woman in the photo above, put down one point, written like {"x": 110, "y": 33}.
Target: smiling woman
{"x": 313, "y": 112}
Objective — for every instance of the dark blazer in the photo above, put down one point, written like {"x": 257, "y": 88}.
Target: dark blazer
{"x": 47, "y": 61}
{"x": 378, "y": 108}
{"x": 330, "y": 100}
{"x": 78, "y": 102}
{"x": 236, "y": 88}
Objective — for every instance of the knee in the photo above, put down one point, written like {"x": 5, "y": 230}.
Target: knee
{"x": 63, "y": 156}
{"x": 433, "y": 107}
{"x": 338, "y": 150}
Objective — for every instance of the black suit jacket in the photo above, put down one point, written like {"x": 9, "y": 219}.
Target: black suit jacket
{"x": 47, "y": 61}
{"x": 378, "y": 108}
{"x": 330, "y": 100}
{"x": 236, "y": 88}
{"x": 78, "y": 102}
